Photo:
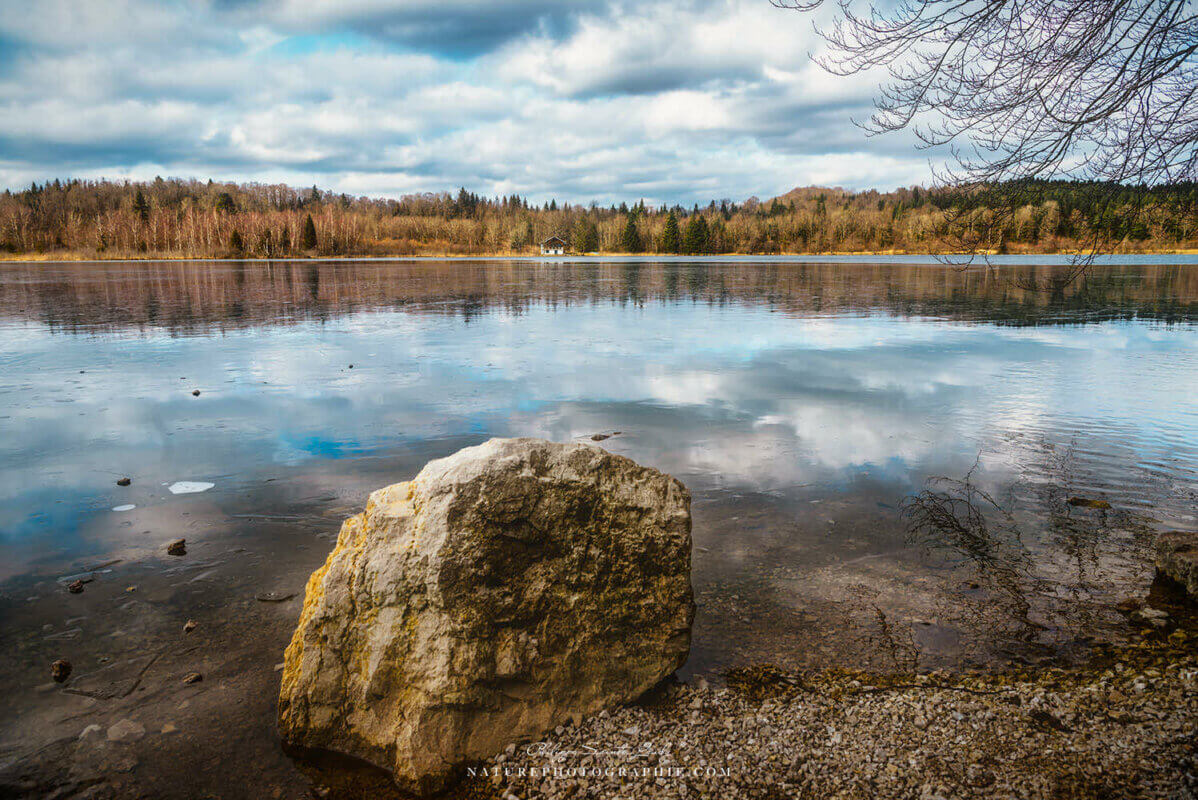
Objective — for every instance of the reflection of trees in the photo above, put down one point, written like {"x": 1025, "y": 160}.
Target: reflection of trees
{"x": 955, "y": 515}
{"x": 1030, "y": 555}
{"x": 1092, "y": 545}
{"x": 183, "y": 296}
{"x": 896, "y": 642}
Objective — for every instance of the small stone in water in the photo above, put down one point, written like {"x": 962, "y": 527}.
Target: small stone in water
{"x": 1085, "y": 502}
{"x": 195, "y": 393}
{"x": 75, "y": 587}
{"x": 192, "y": 677}
{"x": 189, "y": 626}
{"x": 599, "y": 437}
{"x": 60, "y": 670}
{"x": 177, "y": 548}
{"x": 124, "y": 482}
{"x": 273, "y": 597}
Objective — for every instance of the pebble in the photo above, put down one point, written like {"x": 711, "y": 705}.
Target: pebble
{"x": 177, "y": 547}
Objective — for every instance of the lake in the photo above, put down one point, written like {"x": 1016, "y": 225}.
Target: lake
{"x": 881, "y": 455}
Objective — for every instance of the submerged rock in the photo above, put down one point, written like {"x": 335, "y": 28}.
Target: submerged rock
{"x": 1177, "y": 559}
{"x": 505, "y": 590}
{"x": 60, "y": 670}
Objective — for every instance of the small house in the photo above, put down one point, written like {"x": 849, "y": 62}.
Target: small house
{"x": 553, "y": 246}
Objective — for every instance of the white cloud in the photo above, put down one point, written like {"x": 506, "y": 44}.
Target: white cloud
{"x": 682, "y": 101}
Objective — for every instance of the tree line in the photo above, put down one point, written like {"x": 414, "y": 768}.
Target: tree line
{"x": 174, "y": 218}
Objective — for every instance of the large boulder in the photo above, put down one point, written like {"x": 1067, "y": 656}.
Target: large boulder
{"x": 506, "y": 589}
{"x": 1177, "y": 559}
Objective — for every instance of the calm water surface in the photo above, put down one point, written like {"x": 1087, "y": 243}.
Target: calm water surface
{"x": 820, "y": 415}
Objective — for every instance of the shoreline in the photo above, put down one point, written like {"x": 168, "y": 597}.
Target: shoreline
{"x": 931, "y": 259}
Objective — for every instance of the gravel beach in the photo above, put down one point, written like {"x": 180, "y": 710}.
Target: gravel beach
{"x": 1126, "y": 729}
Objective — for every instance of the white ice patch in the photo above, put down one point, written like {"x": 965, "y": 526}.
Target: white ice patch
{"x": 123, "y": 508}
{"x": 189, "y": 487}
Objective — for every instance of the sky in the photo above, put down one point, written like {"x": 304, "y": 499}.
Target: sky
{"x": 579, "y": 100}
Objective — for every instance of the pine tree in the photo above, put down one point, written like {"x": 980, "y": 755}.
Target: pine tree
{"x": 630, "y": 237}
{"x": 235, "y": 243}
{"x": 308, "y": 241}
{"x": 141, "y": 206}
{"x": 586, "y": 237}
{"x": 670, "y": 240}
{"x": 695, "y": 240}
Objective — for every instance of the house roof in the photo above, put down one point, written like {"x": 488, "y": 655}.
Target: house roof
{"x": 553, "y": 239}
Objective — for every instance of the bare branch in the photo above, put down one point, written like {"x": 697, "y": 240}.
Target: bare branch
{"x": 1023, "y": 91}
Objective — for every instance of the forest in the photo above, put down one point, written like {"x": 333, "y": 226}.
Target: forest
{"x": 176, "y": 218}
